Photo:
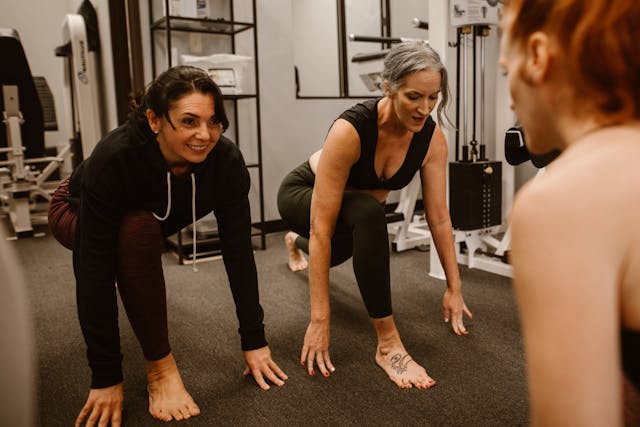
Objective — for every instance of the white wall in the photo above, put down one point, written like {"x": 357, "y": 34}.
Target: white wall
{"x": 291, "y": 129}
{"x": 315, "y": 46}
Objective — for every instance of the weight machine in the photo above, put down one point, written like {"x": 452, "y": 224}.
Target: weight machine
{"x": 28, "y": 111}
{"x": 27, "y": 175}
{"x": 475, "y": 181}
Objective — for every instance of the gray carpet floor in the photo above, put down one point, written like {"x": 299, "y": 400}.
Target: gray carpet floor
{"x": 481, "y": 378}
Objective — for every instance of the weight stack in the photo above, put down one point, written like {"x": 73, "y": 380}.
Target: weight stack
{"x": 475, "y": 194}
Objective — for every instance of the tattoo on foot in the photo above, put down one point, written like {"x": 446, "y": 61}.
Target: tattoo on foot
{"x": 399, "y": 363}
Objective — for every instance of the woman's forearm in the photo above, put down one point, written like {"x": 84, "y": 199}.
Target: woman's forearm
{"x": 442, "y": 237}
{"x": 319, "y": 263}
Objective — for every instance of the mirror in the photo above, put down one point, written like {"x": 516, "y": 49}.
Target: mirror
{"x": 363, "y": 18}
{"x": 315, "y": 44}
{"x": 324, "y": 53}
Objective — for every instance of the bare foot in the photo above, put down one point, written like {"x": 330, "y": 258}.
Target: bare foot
{"x": 168, "y": 399}
{"x": 297, "y": 261}
{"x": 401, "y": 368}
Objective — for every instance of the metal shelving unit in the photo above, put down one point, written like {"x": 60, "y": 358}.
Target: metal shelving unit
{"x": 168, "y": 26}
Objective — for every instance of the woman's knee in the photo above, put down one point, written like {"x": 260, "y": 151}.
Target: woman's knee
{"x": 294, "y": 205}
{"x": 62, "y": 217}
{"x": 283, "y": 200}
{"x": 367, "y": 211}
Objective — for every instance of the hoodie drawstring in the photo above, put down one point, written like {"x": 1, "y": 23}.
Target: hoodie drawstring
{"x": 166, "y": 215}
{"x": 193, "y": 211}
{"x": 193, "y": 218}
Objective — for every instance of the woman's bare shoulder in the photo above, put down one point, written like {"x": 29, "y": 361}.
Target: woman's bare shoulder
{"x": 583, "y": 209}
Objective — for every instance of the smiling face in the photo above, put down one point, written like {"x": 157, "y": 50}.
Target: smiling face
{"x": 416, "y": 98}
{"x": 189, "y": 131}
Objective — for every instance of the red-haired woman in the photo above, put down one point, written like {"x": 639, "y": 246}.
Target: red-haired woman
{"x": 574, "y": 76}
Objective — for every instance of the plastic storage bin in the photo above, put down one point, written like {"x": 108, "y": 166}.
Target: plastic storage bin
{"x": 229, "y": 71}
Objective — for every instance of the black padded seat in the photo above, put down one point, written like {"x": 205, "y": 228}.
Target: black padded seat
{"x": 46, "y": 100}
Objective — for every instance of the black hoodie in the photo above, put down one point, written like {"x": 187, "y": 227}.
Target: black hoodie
{"x": 127, "y": 172}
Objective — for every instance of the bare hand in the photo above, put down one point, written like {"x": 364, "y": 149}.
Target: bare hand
{"x": 104, "y": 406}
{"x": 316, "y": 347}
{"x": 260, "y": 365}
{"x": 454, "y": 310}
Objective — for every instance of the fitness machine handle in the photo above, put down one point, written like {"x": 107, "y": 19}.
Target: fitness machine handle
{"x": 375, "y": 39}
{"x": 420, "y": 24}
{"x": 515, "y": 150}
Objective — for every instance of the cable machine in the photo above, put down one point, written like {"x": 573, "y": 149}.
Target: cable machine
{"x": 475, "y": 181}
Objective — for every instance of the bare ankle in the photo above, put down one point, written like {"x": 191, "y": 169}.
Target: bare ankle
{"x": 387, "y": 333}
{"x": 164, "y": 366}
{"x": 168, "y": 397}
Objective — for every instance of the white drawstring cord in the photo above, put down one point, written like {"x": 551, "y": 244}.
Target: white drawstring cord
{"x": 193, "y": 218}
{"x": 166, "y": 215}
{"x": 193, "y": 211}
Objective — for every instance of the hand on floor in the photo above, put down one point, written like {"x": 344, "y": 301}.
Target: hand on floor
{"x": 260, "y": 365}
{"x": 103, "y": 406}
{"x": 454, "y": 309}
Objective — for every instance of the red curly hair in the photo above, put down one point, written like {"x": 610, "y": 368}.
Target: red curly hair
{"x": 600, "y": 46}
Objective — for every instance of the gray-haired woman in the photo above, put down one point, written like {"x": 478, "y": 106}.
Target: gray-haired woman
{"x": 334, "y": 203}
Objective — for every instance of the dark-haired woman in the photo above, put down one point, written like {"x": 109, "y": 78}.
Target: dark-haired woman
{"x": 162, "y": 170}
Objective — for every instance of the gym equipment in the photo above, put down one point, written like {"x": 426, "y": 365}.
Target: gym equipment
{"x": 475, "y": 182}
{"x": 516, "y": 152}
{"x": 474, "y": 12}
{"x": 25, "y": 168}
{"x": 481, "y": 241}
{"x": 369, "y": 68}
{"x": 79, "y": 50}
{"x": 369, "y": 65}
{"x": 474, "y": 196}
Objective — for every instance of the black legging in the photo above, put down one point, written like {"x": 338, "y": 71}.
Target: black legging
{"x": 361, "y": 232}
{"x": 140, "y": 277}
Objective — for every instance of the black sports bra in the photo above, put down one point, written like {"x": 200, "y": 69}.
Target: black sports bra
{"x": 630, "y": 349}
{"x": 364, "y": 117}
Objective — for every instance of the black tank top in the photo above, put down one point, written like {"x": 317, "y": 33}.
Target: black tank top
{"x": 630, "y": 343}
{"x": 364, "y": 117}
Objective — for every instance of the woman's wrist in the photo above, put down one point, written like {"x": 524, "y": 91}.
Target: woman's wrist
{"x": 320, "y": 315}
{"x": 454, "y": 285}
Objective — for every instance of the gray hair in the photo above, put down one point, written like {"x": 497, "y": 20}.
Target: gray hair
{"x": 411, "y": 56}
